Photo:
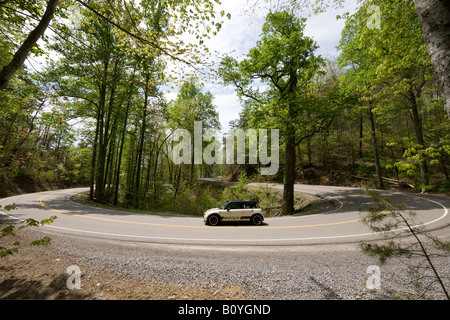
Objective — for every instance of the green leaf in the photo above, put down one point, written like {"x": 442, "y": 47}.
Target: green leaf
{"x": 48, "y": 220}
{"x": 9, "y": 230}
{"x": 41, "y": 242}
{"x": 30, "y": 222}
{"x": 10, "y": 207}
{"x": 5, "y": 252}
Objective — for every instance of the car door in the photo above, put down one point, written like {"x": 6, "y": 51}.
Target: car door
{"x": 235, "y": 211}
{"x": 247, "y": 210}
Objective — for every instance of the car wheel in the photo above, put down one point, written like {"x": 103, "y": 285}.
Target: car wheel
{"x": 214, "y": 220}
{"x": 257, "y": 220}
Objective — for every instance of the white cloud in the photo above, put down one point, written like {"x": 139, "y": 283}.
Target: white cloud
{"x": 325, "y": 29}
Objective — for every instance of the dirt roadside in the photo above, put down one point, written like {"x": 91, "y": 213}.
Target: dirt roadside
{"x": 41, "y": 273}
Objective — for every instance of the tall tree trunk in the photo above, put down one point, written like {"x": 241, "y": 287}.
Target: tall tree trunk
{"x": 287, "y": 206}
{"x": 376, "y": 156}
{"x": 109, "y": 173}
{"x": 94, "y": 160}
{"x": 124, "y": 131}
{"x": 418, "y": 131}
{"x": 361, "y": 132}
{"x": 22, "y": 53}
{"x": 178, "y": 181}
{"x": 434, "y": 16}
{"x": 444, "y": 168}
{"x": 100, "y": 165}
{"x": 99, "y": 179}
{"x": 141, "y": 144}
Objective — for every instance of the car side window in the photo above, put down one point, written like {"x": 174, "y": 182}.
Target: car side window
{"x": 251, "y": 205}
{"x": 242, "y": 205}
{"x": 233, "y": 205}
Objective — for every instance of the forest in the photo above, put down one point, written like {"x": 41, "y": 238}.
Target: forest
{"x": 96, "y": 114}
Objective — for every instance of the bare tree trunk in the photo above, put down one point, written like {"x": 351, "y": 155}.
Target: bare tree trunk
{"x": 418, "y": 130}
{"x": 94, "y": 162}
{"x": 361, "y": 132}
{"x": 22, "y": 53}
{"x": 376, "y": 156}
{"x": 434, "y": 16}
{"x": 287, "y": 206}
{"x": 137, "y": 192}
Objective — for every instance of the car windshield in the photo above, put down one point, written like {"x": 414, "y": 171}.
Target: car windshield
{"x": 224, "y": 205}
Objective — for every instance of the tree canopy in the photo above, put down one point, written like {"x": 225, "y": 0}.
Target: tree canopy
{"x": 98, "y": 114}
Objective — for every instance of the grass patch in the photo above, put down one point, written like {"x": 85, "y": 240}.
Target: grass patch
{"x": 84, "y": 199}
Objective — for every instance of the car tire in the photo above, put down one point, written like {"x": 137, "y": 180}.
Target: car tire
{"x": 214, "y": 220}
{"x": 257, "y": 219}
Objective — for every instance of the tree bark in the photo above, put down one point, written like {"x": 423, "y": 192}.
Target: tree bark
{"x": 122, "y": 142}
{"x": 141, "y": 144}
{"x": 22, "y": 53}
{"x": 100, "y": 166}
{"x": 287, "y": 206}
{"x": 418, "y": 131}
{"x": 361, "y": 132}
{"x": 434, "y": 16}
{"x": 376, "y": 156}
{"x": 94, "y": 162}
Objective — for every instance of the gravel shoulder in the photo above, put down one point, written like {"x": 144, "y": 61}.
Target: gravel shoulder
{"x": 114, "y": 270}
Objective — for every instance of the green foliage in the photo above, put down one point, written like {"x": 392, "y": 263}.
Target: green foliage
{"x": 10, "y": 207}
{"x": 241, "y": 184}
{"x": 193, "y": 105}
{"x": 193, "y": 199}
{"x": 97, "y": 115}
{"x": 386, "y": 251}
{"x": 41, "y": 242}
{"x": 283, "y": 60}
{"x": 279, "y": 83}
{"x": 268, "y": 200}
{"x": 389, "y": 72}
{"x": 16, "y": 15}
{"x": 9, "y": 231}
{"x": 406, "y": 170}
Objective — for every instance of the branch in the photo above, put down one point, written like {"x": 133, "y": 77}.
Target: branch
{"x": 135, "y": 36}
{"x": 244, "y": 93}
{"x": 422, "y": 247}
{"x": 19, "y": 57}
{"x": 271, "y": 77}
{"x": 317, "y": 129}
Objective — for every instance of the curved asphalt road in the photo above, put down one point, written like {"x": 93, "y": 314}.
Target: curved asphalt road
{"x": 342, "y": 224}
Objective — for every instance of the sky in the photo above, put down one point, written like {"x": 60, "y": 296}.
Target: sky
{"x": 241, "y": 33}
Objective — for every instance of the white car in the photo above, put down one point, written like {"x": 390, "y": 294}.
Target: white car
{"x": 242, "y": 210}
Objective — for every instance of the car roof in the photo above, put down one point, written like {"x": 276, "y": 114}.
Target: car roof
{"x": 253, "y": 201}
